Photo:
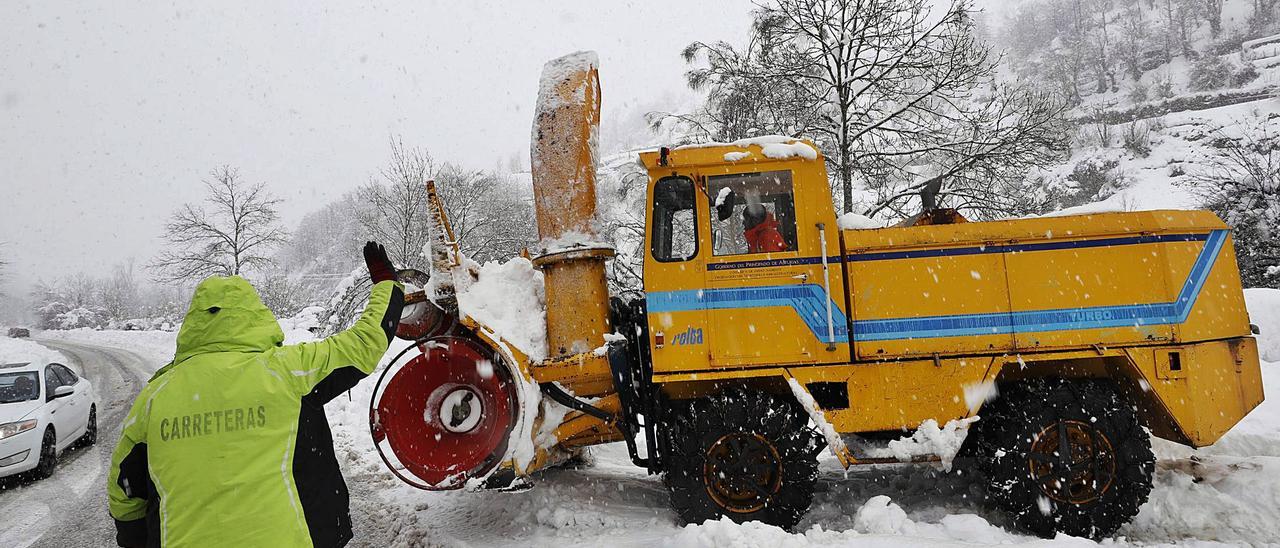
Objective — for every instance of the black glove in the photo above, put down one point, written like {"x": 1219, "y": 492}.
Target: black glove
{"x": 131, "y": 534}
{"x": 380, "y": 267}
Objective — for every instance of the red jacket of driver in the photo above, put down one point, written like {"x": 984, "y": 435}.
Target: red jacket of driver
{"x": 763, "y": 236}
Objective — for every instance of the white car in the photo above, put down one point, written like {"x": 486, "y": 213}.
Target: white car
{"x": 43, "y": 411}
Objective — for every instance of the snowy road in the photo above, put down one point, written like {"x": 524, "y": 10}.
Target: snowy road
{"x": 69, "y": 510}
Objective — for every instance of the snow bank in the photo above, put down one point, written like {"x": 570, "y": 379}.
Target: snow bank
{"x": 27, "y": 351}
{"x": 156, "y": 347}
{"x": 727, "y": 534}
{"x": 880, "y": 515}
{"x": 303, "y": 326}
{"x": 1264, "y": 312}
{"x": 510, "y": 299}
{"x": 1232, "y": 499}
{"x": 878, "y": 522}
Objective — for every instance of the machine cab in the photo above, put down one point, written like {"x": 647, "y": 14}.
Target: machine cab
{"x": 742, "y": 258}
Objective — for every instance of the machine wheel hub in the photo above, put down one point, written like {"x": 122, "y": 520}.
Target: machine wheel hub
{"x": 461, "y": 410}
{"x": 742, "y": 472}
{"x": 1072, "y": 462}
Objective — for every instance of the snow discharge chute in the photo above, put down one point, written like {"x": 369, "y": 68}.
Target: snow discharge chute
{"x": 459, "y": 401}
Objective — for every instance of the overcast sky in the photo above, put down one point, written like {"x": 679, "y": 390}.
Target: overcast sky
{"x": 110, "y": 115}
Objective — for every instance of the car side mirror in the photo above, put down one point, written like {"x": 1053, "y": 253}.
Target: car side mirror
{"x": 62, "y": 392}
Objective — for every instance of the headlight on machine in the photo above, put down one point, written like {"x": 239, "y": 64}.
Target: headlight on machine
{"x": 14, "y": 428}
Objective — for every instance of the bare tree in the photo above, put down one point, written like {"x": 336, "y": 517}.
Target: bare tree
{"x": 983, "y": 156}
{"x": 230, "y": 234}
{"x": 1105, "y": 74}
{"x": 1264, "y": 14}
{"x": 746, "y": 95}
{"x": 1212, "y": 13}
{"x": 492, "y": 219}
{"x": 4, "y": 266}
{"x": 118, "y": 293}
{"x": 394, "y": 209}
{"x": 1240, "y": 182}
{"x": 885, "y": 87}
{"x": 284, "y": 294}
{"x": 1135, "y": 37}
{"x": 322, "y": 250}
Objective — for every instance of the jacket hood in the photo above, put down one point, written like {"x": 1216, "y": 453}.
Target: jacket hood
{"x": 226, "y": 315}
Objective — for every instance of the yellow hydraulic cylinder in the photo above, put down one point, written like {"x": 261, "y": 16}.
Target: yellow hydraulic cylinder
{"x": 563, "y": 151}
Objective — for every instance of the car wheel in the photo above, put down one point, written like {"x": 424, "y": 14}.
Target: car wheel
{"x": 48, "y": 455}
{"x": 90, "y": 436}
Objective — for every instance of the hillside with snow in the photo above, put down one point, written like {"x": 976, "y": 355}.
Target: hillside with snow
{"x": 1161, "y": 93}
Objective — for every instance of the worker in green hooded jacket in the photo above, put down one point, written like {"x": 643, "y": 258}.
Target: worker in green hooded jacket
{"x": 228, "y": 445}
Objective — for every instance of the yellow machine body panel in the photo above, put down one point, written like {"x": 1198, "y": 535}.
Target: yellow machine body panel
{"x": 906, "y": 324}
{"x": 1047, "y": 283}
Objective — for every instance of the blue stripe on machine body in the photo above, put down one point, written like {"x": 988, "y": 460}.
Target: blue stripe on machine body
{"x": 809, "y": 301}
{"x": 959, "y": 251}
{"x": 1019, "y": 248}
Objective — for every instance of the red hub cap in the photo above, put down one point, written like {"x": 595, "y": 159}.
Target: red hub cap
{"x": 446, "y": 414}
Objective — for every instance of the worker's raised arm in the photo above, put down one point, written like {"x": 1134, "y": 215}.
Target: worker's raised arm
{"x": 129, "y": 487}
{"x": 360, "y": 346}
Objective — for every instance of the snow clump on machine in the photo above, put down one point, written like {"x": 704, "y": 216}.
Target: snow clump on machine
{"x": 509, "y": 298}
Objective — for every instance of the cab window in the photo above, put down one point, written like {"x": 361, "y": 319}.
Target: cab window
{"x": 675, "y": 226}
{"x": 752, "y": 213}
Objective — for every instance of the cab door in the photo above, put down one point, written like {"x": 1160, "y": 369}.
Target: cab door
{"x": 673, "y": 267}
{"x": 769, "y": 299}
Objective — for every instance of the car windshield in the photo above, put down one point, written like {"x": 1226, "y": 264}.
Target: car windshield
{"x": 16, "y": 387}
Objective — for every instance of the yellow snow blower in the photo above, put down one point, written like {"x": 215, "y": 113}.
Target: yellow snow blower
{"x": 768, "y": 333}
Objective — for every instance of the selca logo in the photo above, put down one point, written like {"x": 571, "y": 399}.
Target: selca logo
{"x": 693, "y": 335}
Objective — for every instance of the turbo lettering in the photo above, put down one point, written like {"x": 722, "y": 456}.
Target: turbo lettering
{"x": 222, "y": 421}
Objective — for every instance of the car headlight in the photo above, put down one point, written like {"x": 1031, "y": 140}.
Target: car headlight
{"x": 14, "y": 428}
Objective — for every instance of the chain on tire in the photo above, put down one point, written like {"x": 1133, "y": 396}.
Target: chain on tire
{"x": 743, "y": 454}
{"x": 1065, "y": 456}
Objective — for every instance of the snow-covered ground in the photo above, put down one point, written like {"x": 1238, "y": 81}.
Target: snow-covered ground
{"x": 27, "y": 351}
{"x": 1225, "y": 494}
{"x": 1178, "y": 150}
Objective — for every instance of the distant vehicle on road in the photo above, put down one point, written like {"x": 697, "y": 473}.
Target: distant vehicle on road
{"x": 44, "y": 410}
{"x": 19, "y": 332}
